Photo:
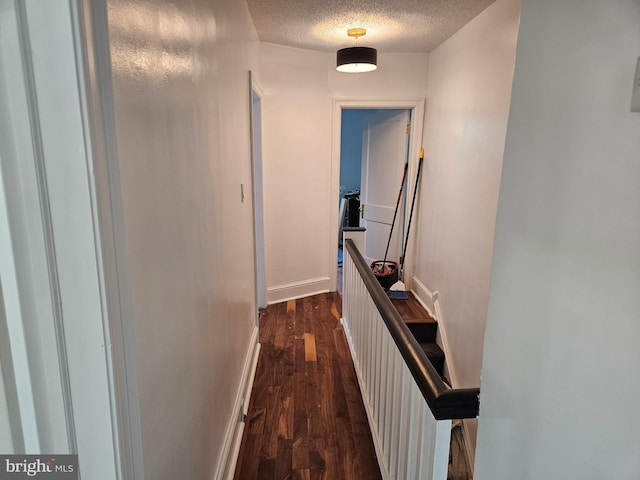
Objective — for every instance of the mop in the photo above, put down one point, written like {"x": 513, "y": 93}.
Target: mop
{"x": 398, "y": 289}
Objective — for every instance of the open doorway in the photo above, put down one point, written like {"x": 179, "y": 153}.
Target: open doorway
{"x": 377, "y": 138}
{"x": 363, "y": 130}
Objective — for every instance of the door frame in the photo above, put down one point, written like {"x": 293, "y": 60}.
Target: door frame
{"x": 255, "y": 114}
{"x": 417, "y": 107}
{"x": 66, "y": 348}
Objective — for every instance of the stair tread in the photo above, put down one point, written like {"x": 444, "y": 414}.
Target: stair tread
{"x": 411, "y": 310}
{"x": 430, "y": 321}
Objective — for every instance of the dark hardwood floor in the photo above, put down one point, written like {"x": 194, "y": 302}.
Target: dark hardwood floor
{"x": 306, "y": 419}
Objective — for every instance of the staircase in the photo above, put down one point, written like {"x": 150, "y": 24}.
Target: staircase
{"x": 424, "y": 329}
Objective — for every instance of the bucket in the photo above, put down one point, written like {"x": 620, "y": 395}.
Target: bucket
{"x": 386, "y": 276}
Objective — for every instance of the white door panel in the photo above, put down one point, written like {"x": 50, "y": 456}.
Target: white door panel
{"x": 376, "y": 213}
{"x": 384, "y": 153}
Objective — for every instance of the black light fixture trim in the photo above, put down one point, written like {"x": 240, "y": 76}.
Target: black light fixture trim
{"x": 357, "y": 55}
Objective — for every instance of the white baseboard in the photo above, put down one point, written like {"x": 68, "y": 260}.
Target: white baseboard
{"x": 424, "y": 296}
{"x": 377, "y": 441}
{"x": 304, "y": 288}
{"x": 429, "y": 300}
{"x": 233, "y": 434}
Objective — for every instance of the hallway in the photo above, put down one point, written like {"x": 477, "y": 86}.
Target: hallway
{"x": 306, "y": 419}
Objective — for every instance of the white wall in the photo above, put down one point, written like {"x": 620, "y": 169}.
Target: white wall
{"x": 296, "y": 116}
{"x": 351, "y": 149}
{"x": 561, "y": 365}
{"x": 181, "y": 94}
{"x": 470, "y": 78}
{"x": 299, "y": 86}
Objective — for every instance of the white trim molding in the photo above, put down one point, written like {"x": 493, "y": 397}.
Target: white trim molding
{"x": 235, "y": 428}
{"x": 424, "y": 296}
{"x": 304, "y": 288}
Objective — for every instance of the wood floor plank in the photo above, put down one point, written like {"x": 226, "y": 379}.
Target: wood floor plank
{"x": 300, "y": 453}
{"x": 302, "y": 474}
{"x": 270, "y": 434}
{"x": 310, "y": 347}
{"x": 267, "y": 327}
{"x": 316, "y": 461}
{"x": 291, "y": 306}
{"x": 266, "y": 469}
{"x": 290, "y": 322}
{"x": 255, "y": 420}
{"x": 280, "y": 329}
{"x": 300, "y": 382}
{"x": 283, "y": 460}
{"x": 248, "y": 458}
{"x": 263, "y": 377}
{"x": 313, "y": 393}
{"x": 334, "y": 310}
{"x": 285, "y": 421}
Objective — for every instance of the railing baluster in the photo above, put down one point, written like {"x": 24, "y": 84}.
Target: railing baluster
{"x": 423, "y": 444}
{"x": 379, "y": 367}
{"x": 375, "y": 385}
{"x": 413, "y": 431}
{"x": 395, "y": 412}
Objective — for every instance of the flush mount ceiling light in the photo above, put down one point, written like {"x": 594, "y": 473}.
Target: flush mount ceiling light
{"x": 357, "y": 59}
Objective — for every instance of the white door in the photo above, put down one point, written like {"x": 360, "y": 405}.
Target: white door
{"x": 384, "y": 154}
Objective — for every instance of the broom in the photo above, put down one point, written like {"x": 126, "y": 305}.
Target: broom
{"x": 398, "y": 289}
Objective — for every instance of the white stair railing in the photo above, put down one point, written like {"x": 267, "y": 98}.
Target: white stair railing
{"x": 408, "y": 405}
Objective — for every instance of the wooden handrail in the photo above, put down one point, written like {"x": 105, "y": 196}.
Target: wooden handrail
{"x": 444, "y": 402}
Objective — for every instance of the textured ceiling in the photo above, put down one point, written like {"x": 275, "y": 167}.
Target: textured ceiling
{"x": 392, "y": 25}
